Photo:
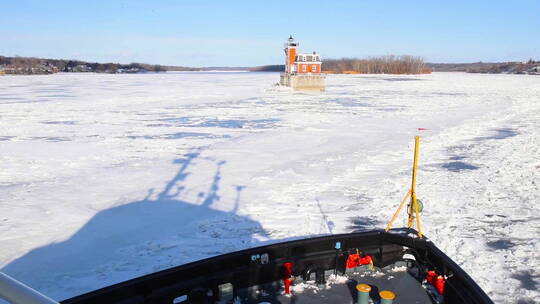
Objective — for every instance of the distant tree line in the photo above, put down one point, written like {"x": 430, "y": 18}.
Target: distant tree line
{"x": 530, "y": 67}
{"x": 31, "y": 65}
{"x": 390, "y": 64}
{"x": 374, "y": 65}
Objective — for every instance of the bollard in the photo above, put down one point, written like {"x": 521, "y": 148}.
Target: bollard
{"x": 363, "y": 293}
{"x": 387, "y": 296}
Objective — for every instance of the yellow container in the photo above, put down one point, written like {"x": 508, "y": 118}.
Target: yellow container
{"x": 387, "y": 296}
{"x": 363, "y": 293}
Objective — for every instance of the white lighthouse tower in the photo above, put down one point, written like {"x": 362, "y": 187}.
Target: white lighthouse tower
{"x": 290, "y": 55}
{"x": 302, "y": 71}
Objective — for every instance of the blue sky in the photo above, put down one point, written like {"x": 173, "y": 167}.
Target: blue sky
{"x": 248, "y": 33}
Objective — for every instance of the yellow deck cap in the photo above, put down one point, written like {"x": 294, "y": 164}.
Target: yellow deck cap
{"x": 363, "y": 287}
{"x": 387, "y": 295}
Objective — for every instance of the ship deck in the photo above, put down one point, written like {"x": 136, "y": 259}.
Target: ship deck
{"x": 342, "y": 288}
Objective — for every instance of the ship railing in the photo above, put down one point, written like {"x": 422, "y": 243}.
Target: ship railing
{"x": 15, "y": 292}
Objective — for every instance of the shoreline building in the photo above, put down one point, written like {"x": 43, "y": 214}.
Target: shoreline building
{"x": 302, "y": 70}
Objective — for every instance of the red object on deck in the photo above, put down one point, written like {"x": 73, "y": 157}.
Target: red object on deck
{"x": 355, "y": 260}
{"x": 287, "y": 276}
{"x": 439, "y": 284}
{"x": 430, "y": 277}
{"x": 438, "y": 281}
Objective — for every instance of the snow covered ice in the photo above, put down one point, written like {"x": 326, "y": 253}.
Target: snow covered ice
{"x": 104, "y": 178}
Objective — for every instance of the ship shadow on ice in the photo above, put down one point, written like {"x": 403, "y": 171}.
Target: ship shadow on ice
{"x": 140, "y": 237}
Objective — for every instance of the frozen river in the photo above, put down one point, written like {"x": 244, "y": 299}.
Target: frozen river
{"x": 108, "y": 177}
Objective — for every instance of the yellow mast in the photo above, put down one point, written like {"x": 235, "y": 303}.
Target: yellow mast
{"x": 413, "y": 203}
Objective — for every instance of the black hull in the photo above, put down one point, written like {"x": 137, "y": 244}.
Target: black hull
{"x": 244, "y": 269}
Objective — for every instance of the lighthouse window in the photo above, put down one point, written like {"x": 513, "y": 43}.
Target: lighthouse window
{"x": 309, "y": 58}
{"x": 304, "y": 68}
{"x": 314, "y": 68}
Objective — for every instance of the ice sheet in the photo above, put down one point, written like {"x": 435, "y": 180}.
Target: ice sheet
{"x": 107, "y": 177}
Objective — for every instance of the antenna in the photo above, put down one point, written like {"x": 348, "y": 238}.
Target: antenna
{"x": 414, "y": 207}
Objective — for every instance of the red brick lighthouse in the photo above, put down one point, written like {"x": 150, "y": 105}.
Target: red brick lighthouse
{"x": 302, "y": 70}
